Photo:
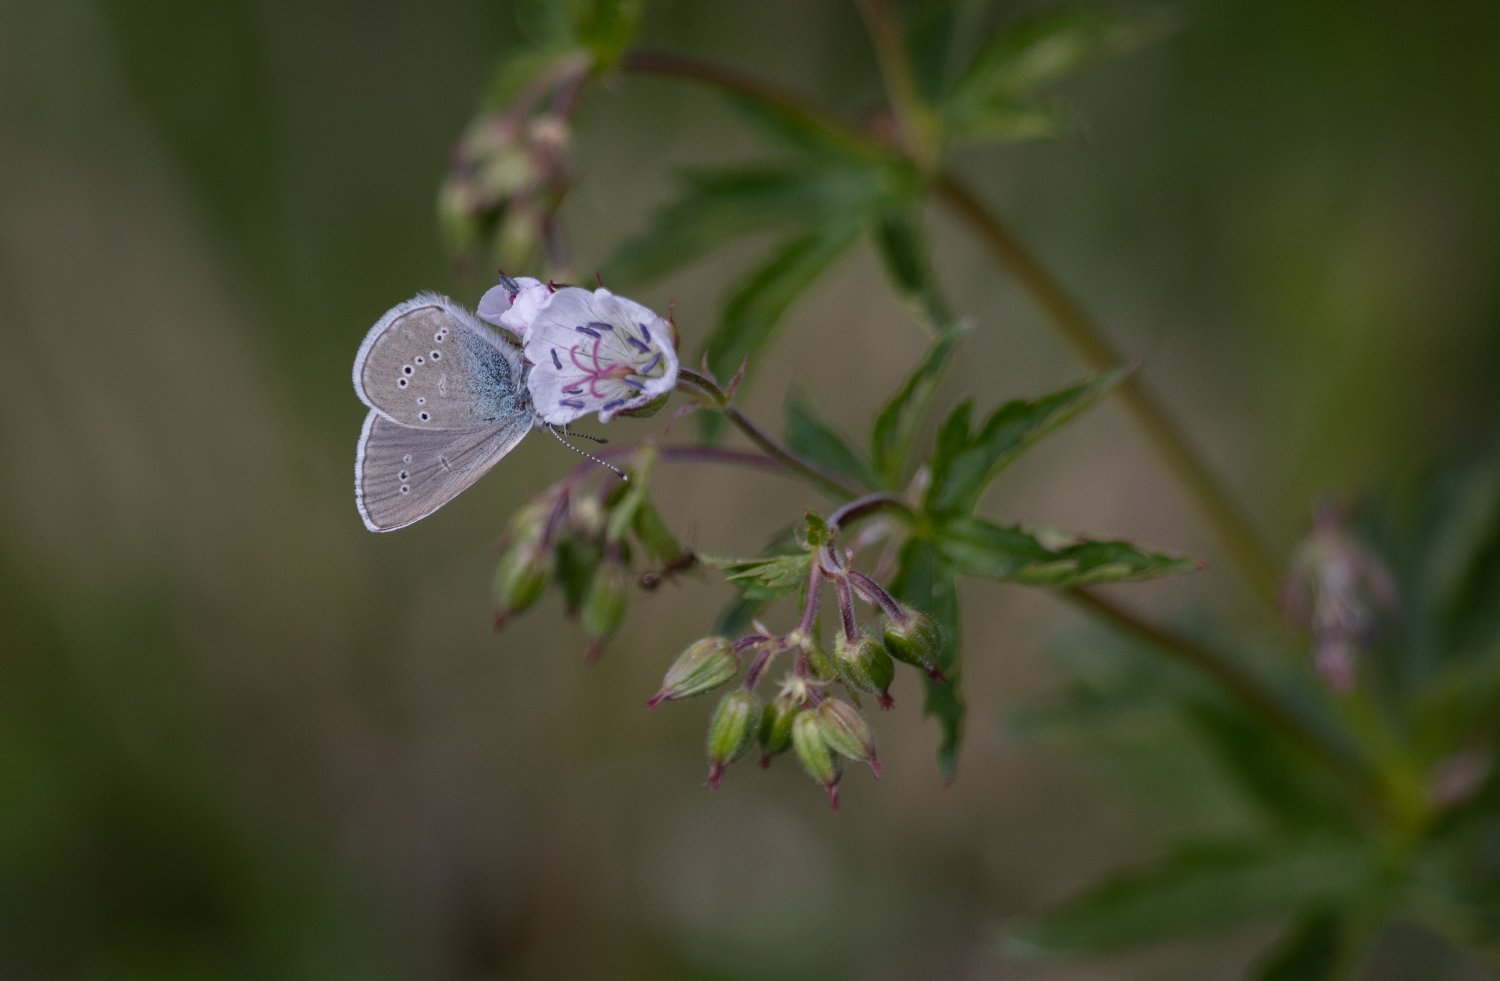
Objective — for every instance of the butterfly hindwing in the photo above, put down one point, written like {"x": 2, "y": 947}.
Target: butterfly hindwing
{"x": 403, "y": 474}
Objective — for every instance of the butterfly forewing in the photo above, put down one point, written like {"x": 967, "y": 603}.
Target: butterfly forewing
{"x": 403, "y": 474}
{"x": 430, "y": 364}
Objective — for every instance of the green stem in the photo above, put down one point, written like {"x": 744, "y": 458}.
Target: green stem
{"x": 1249, "y": 690}
{"x": 713, "y": 396}
{"x": 1079, "y": 330}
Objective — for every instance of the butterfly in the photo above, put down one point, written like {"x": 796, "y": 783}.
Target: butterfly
{"x": 448, "y": 400}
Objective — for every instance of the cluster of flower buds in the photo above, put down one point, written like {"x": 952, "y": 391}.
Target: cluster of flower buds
{"x": 1340, "y": 592}
{"x": 509, "y": 171}
{"x": 804, "y": 716}
{"x": 583, "y": 538}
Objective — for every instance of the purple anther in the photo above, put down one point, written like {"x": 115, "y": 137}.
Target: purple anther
{"x": 556, "y": 363}
{"x": 645, "y": 334}
{"x": 601, "y": 326}
{"x": 611, "y": 405}
{"x": 573, "y": 390}
{"x": 572, "y": 403}
{"x": 586, "y": 329}
{"x": 638, "y": 345}
{"x": 646, "y": 370}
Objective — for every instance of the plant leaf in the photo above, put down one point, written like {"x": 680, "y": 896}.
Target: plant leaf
{"x": 715, "y": 207}
{"x": 903, "y": 250}
{"x": 1317, "y": 948}
{"x": 977, "y": 547}
{"x": 812, "y": 438}
{"x": 809, "y": 134}
{"x": 959, "y": 476}
{"x": 764, "y": 577}
{"x": 1041, "y": 50}
{"x": 897, "y": 423}
{"x": 925, "y": 581}
{"x": 1207, "y": 886}
{"x": 756, "y": 307}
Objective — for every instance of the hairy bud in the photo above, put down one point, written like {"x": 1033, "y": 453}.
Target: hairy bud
{"x": 864, "y": 664}
{"x": 846, "y": 732}
{"x": 520, "y": 578}
{"x": 703, "y": 666}
{"x": 731, "y": 731}
{"x": 815, "y": 755}
{"x": 913, "y": 638}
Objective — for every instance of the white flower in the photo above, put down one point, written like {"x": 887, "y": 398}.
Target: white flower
{"x": 514, "y": 304}
{"x": 596, "y": 352}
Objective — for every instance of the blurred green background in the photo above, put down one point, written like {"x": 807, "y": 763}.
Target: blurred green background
{"x": 240, "y": 736}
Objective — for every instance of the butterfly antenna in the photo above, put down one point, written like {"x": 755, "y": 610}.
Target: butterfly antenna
{"x": 584, "y": 453}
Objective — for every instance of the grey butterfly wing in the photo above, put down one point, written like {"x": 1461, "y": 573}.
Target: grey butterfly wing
{"x": 430, "y": 364}
{"x": 402, "y": 474}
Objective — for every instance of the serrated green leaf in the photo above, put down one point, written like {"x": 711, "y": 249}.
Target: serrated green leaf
{"x": 756, "y": 307}
{"x": 904, "y": 251}
{"x": 766, "y": 576}
{"x": 715, "y": 207}
{"x": 1050, "y": 47}
{"x": 1263, "y": 770}
{"x": 896, "y": 425}
{"x": 1209, "y": 886}
{"x": 1317, "y": 948}
{"x": 811, "y": 437}
{"x": 924, "y": 581}
{"x": 810, "y": 133}
{"x": 1016, "y": 121}
{"x": 994, "y": 98}
{"x": 960, "y": 475}
{"x": 739, "y": 612}
{"x": 977, "y": 547}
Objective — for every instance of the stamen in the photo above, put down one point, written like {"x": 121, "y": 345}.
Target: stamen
{"x": 645, "y": 334}
{"x": 600, "y": 325}
{"x": 650, "y": 365}
{"x": 586, "y": 329}
{"x": 572, "y": 403}
{"x": 573, "y": 390}
{"x": 555, "y": 363}
{"x": 638, "y": 386}
{"x": 611, "y": 405}
{"x": 638, "y": 345}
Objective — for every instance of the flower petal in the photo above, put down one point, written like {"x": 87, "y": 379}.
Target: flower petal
{"x": 514, "y": 311}
{"x": 596, "y": 352}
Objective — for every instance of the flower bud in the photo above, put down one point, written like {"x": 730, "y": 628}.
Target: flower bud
{"x": 507, "y": 178}
{"x": 704, "y": 666}
{"x": 604, "y": 603}
{"x": 586, "y": 516}
{"x": 776, "y": 724}
{"x": 864, "y": 664}
{"x": 846, "y": 732}
{"x": 520, "y": 578}
{"x": 732, "y": 729}
{"x": 913, "y": 638}
{"x": 816, "y": 756}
